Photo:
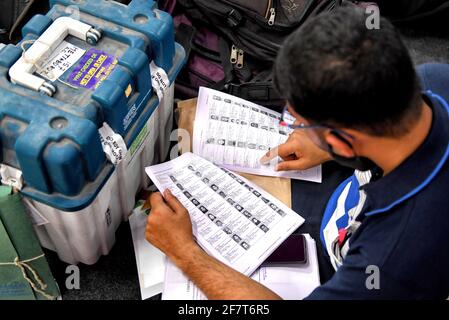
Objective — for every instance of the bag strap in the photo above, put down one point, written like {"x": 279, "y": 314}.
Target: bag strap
{"x": 259, "y": 92}
{"x": 167, "y": 5}
{"x": 19, "y": 19}
{"x": 225, "y": 56}
{"x": 184, "y": 36}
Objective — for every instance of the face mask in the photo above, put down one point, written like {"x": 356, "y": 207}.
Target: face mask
{"x": 357, "y": 163}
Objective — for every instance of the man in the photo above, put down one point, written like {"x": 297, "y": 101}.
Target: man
{"x": 357, "y": 100}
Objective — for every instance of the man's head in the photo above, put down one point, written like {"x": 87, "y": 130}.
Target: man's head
{"x": 335, "y": 71}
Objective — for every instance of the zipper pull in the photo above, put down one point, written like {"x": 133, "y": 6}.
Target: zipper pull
{"x": 233, "y": 58}
{"x": 239, "y": 64}
{"x": 272, "y": 16}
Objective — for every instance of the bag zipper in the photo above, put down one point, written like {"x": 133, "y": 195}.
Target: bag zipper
{"x": 262, "y": 21}
{"x": 272, "y": 17}
{"x": 237, "y": 57}
{"x": 239, "y": 64}
{"x": 251, "y": 38}
{"x": 233, "y": 58}
{"x": 206, "y": 52}
{"x": 201, "y": 76}
{"x": 270, "y": 14}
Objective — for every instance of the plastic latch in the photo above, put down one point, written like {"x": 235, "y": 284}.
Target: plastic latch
{"x": 22, "y": 72}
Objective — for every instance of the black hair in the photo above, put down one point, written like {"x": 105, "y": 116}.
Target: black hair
{"x": 337, "y": 71}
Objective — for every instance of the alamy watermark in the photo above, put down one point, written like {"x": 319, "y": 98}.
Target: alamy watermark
{"x": 72, "y": 282}
{"x": 372, "y": 282}
{"x": 373, "y": 17}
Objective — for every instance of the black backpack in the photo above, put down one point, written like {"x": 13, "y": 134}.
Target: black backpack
{"x": 250, "y": 36}
{"x": 256, "y": 27}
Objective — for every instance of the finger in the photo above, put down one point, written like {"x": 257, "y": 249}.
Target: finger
{"x": 284, "y": 150}
{"x": 271, "y": 154}
{"x": 155, "y": 199}
{"x": 147, "y": 204}
{"x": 290, "y": 157}
{"x": 158, "y": 204}
{"x": 287, "y": 149}
{"x": 299, "y": 164}
{"x": 173, "y": 202}
{"x": 151, "y": 220}
{"x": 149, "y": 226}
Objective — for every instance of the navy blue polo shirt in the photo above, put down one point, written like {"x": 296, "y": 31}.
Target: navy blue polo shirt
{"x": 392, "y": 233}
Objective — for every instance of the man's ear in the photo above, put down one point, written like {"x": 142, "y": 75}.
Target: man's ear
{"x": 339, "y": 146}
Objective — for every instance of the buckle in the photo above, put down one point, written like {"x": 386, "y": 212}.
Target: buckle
{"x": 234, "y": 18}
{"x": 249, "y": 91}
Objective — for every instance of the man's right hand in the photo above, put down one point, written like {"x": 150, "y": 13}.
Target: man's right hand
{"x": 298, "y": 152}
{"x": 169, "y": 227}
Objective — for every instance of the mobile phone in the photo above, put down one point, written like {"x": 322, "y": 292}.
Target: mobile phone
{"x": 292, "y": 250}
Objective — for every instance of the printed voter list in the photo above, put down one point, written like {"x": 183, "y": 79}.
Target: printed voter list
{"x": 233, "y": 220}
{"x": 236, "y": 134}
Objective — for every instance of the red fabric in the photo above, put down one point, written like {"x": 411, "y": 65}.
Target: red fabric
{"x": 342, "y": 236}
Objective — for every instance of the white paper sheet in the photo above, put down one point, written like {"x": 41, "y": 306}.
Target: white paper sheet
{"x": 150, "y": 260}
{"x": 234, "y": 221}
{"x": 178, "y": 287}
{"x": 292, "y": 282}
{"x": 236, "y": 133}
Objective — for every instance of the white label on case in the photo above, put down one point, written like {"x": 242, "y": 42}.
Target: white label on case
{"x": 113, "y": 144}
{"x": 62, "y": 58}
{"x": 159, "y": 80}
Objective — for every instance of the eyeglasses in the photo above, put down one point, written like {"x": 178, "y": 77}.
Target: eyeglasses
{"x": 317, "y": 131}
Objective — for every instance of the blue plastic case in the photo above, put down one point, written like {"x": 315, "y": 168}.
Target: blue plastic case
{"x": 54, "y": 141}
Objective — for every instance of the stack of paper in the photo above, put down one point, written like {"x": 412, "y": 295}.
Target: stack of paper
{"x": 294, "y": 281}
{"x": 235, "y": 133}
{"x": 234, "y": 221}
{"x": 150, "y": 260}
{"x": 290, "y": 282}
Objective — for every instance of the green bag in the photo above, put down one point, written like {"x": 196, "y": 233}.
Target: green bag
{"x": 24, "y": 271}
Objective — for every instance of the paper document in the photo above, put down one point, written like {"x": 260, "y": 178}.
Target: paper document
{"x": 233, "y": 220}
{"x": 150, "y": 260}
{"x": 178, "y": 287}
{"x": 236, "y": 133}
{"x": 293, "y": 281}
{"x": 290, "y": 282}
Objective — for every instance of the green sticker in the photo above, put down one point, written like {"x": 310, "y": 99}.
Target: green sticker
{"x": 138, "y": 141}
